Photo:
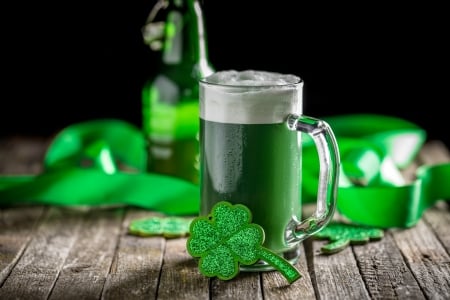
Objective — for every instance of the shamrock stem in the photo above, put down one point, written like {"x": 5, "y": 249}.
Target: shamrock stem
{"x": 281, "y": 264}
{"x": 335, "y": 246}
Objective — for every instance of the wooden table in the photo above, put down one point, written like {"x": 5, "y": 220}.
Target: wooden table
{"x": 73, "y": 253}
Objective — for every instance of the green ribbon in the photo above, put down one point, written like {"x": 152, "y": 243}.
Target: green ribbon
{"x": 372, "y": 191}
{"x": 102, "y": 162}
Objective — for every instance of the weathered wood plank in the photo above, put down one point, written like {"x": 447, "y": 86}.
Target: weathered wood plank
{"x": 336, "y": 276}
{"x": 34, "y": 275}
{"x": 438, "y": 217}
{"x": 427, "y": 259}
{"x": 180, "y": 277}
{"x": 136, "y": 266}
{"x": 246, "y": 285}
{"x": 88, "y": 263}
{"x": 425, "y": 248}
{"x": 17, "y": 226}
{"x": 275, "y": 286}
{"x": 19, "y": 155}
{"x": 384, "y": 271}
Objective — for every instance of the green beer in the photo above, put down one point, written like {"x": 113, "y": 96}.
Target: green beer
{"x": 256, "y": 165}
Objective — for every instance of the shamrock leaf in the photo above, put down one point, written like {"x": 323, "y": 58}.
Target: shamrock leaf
{"x": 169, "y": 227}
{"x": 226, "y": 238}
{"x": 341, "y": 235}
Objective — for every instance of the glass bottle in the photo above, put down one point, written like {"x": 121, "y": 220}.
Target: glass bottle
{"x": 170, "y": 99}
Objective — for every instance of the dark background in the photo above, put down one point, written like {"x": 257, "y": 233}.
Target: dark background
{"x": 71, "y": 61}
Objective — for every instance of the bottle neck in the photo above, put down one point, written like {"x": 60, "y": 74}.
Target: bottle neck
{"x": 177, "y": 29}
{"x": 202, "y": 47}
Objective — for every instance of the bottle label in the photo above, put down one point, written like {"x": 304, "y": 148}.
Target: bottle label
{"x": 168, "y": 122}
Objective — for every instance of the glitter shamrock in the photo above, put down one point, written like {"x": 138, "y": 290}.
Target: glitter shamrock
{"x": 226, "y": 237}
{"x": 341, "y": 235}
{"x": 169, "y": 227}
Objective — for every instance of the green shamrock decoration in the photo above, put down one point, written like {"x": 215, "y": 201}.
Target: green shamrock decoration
{"x": 169, "y": 227}
{"x": 341, "y": 235}
{"x": 226, "y": 237}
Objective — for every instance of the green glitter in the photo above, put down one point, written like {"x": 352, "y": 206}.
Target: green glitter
{"x": 169, "y": 227}
{"x": 226, "y": 238}
{"x": 341, "y": 235}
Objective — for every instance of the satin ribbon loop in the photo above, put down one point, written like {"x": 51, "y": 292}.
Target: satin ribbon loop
{"x": 106, "y": 144}
{"x": 386, "y": 200}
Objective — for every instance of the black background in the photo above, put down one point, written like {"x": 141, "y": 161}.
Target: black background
{"x": 71, "y": 61}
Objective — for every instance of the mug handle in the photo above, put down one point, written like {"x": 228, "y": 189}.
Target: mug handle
{"x": 329, "y": 160}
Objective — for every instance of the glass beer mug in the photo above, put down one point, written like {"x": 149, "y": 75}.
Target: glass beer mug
{"x": 250, "y": 153}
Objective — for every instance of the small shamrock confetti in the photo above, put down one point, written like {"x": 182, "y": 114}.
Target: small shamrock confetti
{"x": 341, "y": 235}
{"x": 226, "y": 237}
{"x": 169, "y": 227}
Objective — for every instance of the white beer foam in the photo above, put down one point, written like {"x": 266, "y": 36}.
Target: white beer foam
{"x": 250, "y": 97}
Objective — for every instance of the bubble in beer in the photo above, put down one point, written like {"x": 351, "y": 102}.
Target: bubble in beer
{"x": 226, "y": 164}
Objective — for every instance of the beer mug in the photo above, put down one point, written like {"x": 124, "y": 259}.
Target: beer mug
{"x": 251, "y": 125}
